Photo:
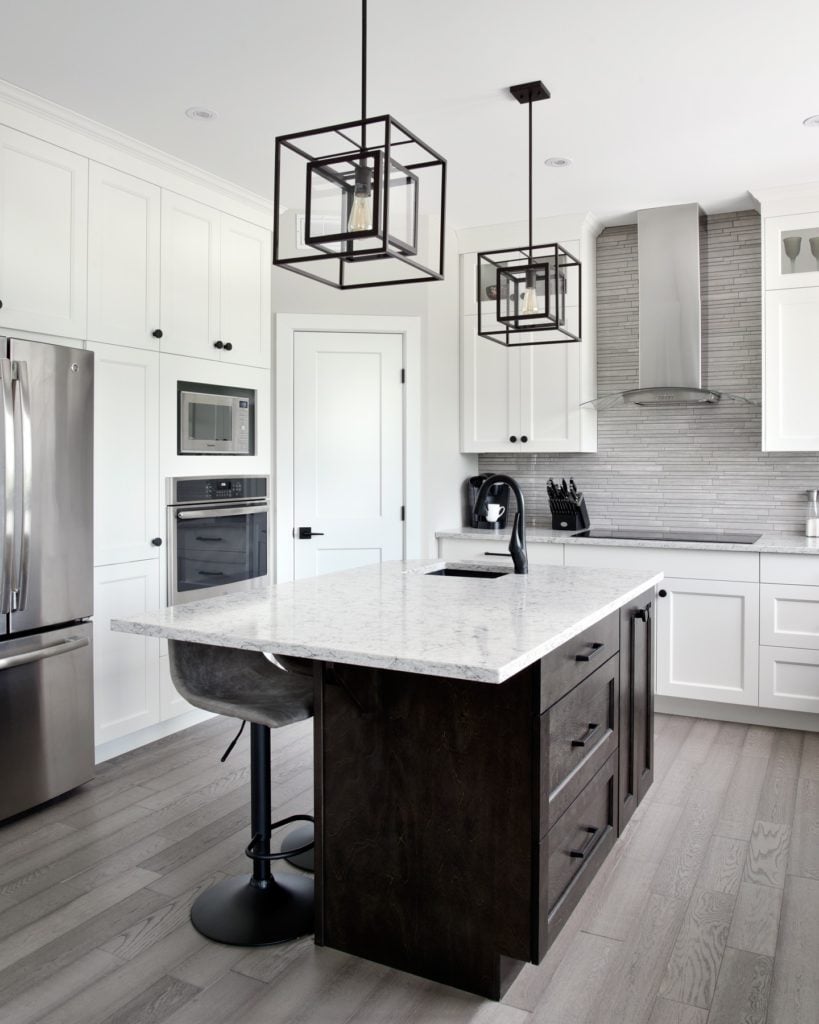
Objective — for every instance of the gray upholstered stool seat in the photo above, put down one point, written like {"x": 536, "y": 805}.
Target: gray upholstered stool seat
{"x": 261, "y": 909}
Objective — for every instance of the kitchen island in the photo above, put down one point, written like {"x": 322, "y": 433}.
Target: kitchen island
{"x": 479, "y": 743}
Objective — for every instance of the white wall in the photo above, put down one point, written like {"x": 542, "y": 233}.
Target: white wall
{"x": 436, "y": 304}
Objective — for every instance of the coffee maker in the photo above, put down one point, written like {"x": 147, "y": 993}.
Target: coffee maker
{"x": 498, "y": 494}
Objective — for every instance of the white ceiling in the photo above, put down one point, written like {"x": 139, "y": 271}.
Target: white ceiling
{"x": 654, "y": 102}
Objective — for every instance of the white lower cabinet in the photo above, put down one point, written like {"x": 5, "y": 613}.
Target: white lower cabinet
{"x": 170, "y": 702}
{"x": 708, "y": 640}
{"x": 789, "y": 679}
{"x": 126, "y": 667}
{"x": 789, "y": 629}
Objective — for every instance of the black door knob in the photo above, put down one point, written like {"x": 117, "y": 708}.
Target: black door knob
{"x": 663, "y": 593}
{"x": 306, "y": 532}
{"x": 157, "y": 333}
{"x": 218, "y": 344}
{"x": 512, "y": 438}
{"x": 157, "y": 542}
{"x": 228, "y": 346}
{"x": 524, "y": 438}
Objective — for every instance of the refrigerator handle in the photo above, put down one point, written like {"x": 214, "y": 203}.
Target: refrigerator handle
{"x": 73, "y": 643}
{"x": 9, "y": 454}
{"x": 21, "y": 572}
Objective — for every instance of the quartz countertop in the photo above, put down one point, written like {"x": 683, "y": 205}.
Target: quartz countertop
{"x": 768, "y": 543}
{"x": 394, "y": 616}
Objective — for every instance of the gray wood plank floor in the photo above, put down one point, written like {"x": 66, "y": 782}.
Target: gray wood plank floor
{"x": 706, "y": 912}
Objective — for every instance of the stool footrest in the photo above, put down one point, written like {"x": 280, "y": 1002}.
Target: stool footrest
{"x": 252, "y": 851}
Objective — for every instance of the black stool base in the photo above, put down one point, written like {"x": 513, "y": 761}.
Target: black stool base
{"x": 240, "y": 914}
{"x": 300, "y": 836}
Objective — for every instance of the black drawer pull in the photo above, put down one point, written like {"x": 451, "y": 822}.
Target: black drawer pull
{"x": 596, "y": 649}
{"x": 204, "y": 572}
{"x": 641, "y": 614}
{"x": 586, "y": 737}
{"x": 498, "y": 554}
{"x": 585, "y": 849}
{"x": 211, "y": 540}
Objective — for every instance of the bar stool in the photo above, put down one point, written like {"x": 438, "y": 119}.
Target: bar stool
{"x": 259, "y": 910}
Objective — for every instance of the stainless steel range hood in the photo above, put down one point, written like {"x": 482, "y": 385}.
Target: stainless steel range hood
{"x": 669, "y": 242}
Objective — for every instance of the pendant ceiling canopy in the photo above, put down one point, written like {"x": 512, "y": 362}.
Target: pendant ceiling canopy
{"x": 360, "y": 204}
{"x": 529, "y": 294}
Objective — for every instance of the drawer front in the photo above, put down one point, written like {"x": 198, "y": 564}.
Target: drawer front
{"x": 789, "y": 616}
{"x": 685, "y": 563}
{"x": 577, "y": 736}
{"x": 564, "y": 668}
{"x": 571, "y": 854}
{"x": 788, "y": 679}
{"x": 802, "y": 570}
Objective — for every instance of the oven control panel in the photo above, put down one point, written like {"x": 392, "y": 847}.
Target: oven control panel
{"x": 194, "y": 490}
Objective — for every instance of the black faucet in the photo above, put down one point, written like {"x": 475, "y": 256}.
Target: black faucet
{"x": 517, "y": 543}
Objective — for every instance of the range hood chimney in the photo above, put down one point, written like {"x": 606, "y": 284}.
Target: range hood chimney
{"x": 669, "y": 242}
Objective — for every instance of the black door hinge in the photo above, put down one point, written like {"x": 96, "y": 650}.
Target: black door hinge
{"x": 403, "y": 514}
{"x": 403, "y": 376}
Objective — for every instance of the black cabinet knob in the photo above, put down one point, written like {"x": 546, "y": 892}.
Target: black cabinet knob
{"x": 1, "y": 304}
{"x": 663, "y": 593}
{"x": 157, "y": 542}
{"x": 524, "y": 438}
{"x": 512, "y": 438}
{"x": 218, "y": 344}
{"x": 157, "y": 333}
{"x": 228, "y": 346}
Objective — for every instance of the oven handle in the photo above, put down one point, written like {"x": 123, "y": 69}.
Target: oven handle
{"x": 214, "y": 513}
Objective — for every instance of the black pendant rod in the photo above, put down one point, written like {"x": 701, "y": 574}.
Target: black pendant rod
{"x": 530, "y": 181}
{"x": 530, "y": 92}
{"x": 363, "y": 76}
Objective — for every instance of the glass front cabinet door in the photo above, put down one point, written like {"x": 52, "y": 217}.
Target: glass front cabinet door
{"x": 792, "y": 251}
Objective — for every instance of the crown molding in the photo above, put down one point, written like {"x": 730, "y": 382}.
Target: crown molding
{"x": 803, "y": 197}
{"x": 36, "y": 115}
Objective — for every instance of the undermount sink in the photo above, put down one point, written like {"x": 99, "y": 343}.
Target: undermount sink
{"x": 477, "y": 574}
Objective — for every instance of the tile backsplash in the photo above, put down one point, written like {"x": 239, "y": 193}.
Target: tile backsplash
{"x": 694, "y": 467}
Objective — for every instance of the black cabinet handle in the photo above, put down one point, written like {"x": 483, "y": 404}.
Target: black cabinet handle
{"x": 524, "y": 438}
{"x": 218, "y": 344}
{"x": 157, "y": 333}
{"x": 641, "y": 614}
{"x": 228, "y": 346}
{"x": 498, "y": 554}
{"x": 1, "y": 304}
{"x": 586, "y": 737}
{"x": 596, "y": 649}
{"x": 157, "y": 542}
{"x": 204, "y": 572}
{"x": 512, "y": 438}
{"x": 663, "y": 593}
{"x": 306, "y": 532}
{"x": 210, "y": 540}
{"x": 586, "y": 847}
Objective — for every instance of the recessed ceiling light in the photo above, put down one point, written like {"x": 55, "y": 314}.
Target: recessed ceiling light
{"x": 558, "y": 161}
{"x": 812, "y": 121}
{"x": 200, "y": 114}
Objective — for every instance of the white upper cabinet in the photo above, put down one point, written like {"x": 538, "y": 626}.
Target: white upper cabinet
{"x": 190, "y": 277}
{"x": 791, "y": 370}
{"x": 215, "y": 284}
{"x": 43, "y": 236}
{"x": 123, "y": 258}
{"x": 490, "y": 395}
{"x": 792, "y": 250}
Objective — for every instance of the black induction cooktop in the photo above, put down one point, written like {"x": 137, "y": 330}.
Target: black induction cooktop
{"x": 695, "y": 536}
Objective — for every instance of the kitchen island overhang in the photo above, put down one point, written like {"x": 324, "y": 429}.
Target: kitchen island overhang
{"x": 457, "y": 823}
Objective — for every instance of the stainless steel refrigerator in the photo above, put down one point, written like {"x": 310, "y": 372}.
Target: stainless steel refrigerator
{"x": 46, "y": 585}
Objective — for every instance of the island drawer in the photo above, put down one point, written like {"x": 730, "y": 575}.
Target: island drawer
{"x": 565, "y": 667}
{"x": 577, "y": 735}
{"x": 571, "y": 854}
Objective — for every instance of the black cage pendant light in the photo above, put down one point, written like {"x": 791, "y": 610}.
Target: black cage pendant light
{"x": 530, "y": 294}
{"x": 360, "y": 204}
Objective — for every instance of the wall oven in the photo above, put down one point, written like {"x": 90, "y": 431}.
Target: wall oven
{"x": 217, "y": 535}
{"x": 215, "y": 420}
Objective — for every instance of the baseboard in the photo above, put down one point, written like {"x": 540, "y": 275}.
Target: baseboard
{"x": 737, "y": 713}
{"x": 113, "y": 748}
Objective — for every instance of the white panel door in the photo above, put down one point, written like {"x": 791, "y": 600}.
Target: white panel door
{"x": 348, "y": 449}
{"x": 490, "y": 393}
{"x": 707, "y": 640}
{"x": 126, "y": 666}
{"x": 789, "y": 679}
{"x": 245, "y": 292}
{"x": 791, "y": 365}
{"x": 43, "y": 236}
{"x": 189, "y": 308}
{"x": 126, "y": 454}
{"x": 123, "y": 258}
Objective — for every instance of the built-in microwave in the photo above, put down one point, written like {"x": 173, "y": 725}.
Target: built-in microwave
{"x": 215, "y": 420}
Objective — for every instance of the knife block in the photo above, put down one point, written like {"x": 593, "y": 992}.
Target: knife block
{"x": 569, "y": 513}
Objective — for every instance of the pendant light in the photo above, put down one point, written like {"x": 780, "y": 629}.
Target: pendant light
{"x": 359, "y": 204}
{"x": 529, "y": 294}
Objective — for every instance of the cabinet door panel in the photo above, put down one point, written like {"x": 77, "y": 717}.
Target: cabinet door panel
{"x": 126, "y": 666}
{"x": 43, "y": 236}
{"x": 797, "y": 235}
{"x": 190, "y": 277}
{"x": 245, "y": 292}
{"x": 788, "y": 679}
{"x": 490, "y": 400}
{"x": 791, "y": 379}
{"x": 123, "y": 259}
{"x": 707, "y": 641}
{"x": 126, "y": 454}
{"x": 550, "y": 390}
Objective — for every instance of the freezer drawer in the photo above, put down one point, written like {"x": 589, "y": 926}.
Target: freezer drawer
{"x": 46, "y": 716}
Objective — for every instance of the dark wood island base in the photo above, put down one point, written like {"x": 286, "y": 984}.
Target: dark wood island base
{"x": 458, "y": 823}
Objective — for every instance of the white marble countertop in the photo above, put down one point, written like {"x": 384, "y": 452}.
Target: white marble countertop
{"x": 393, "y": 616}
{"x": 769, "y": 543}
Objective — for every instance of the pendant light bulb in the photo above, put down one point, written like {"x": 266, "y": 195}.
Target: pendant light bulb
{"x": 361, "y": 214}
{"x": 529, "y": 305}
